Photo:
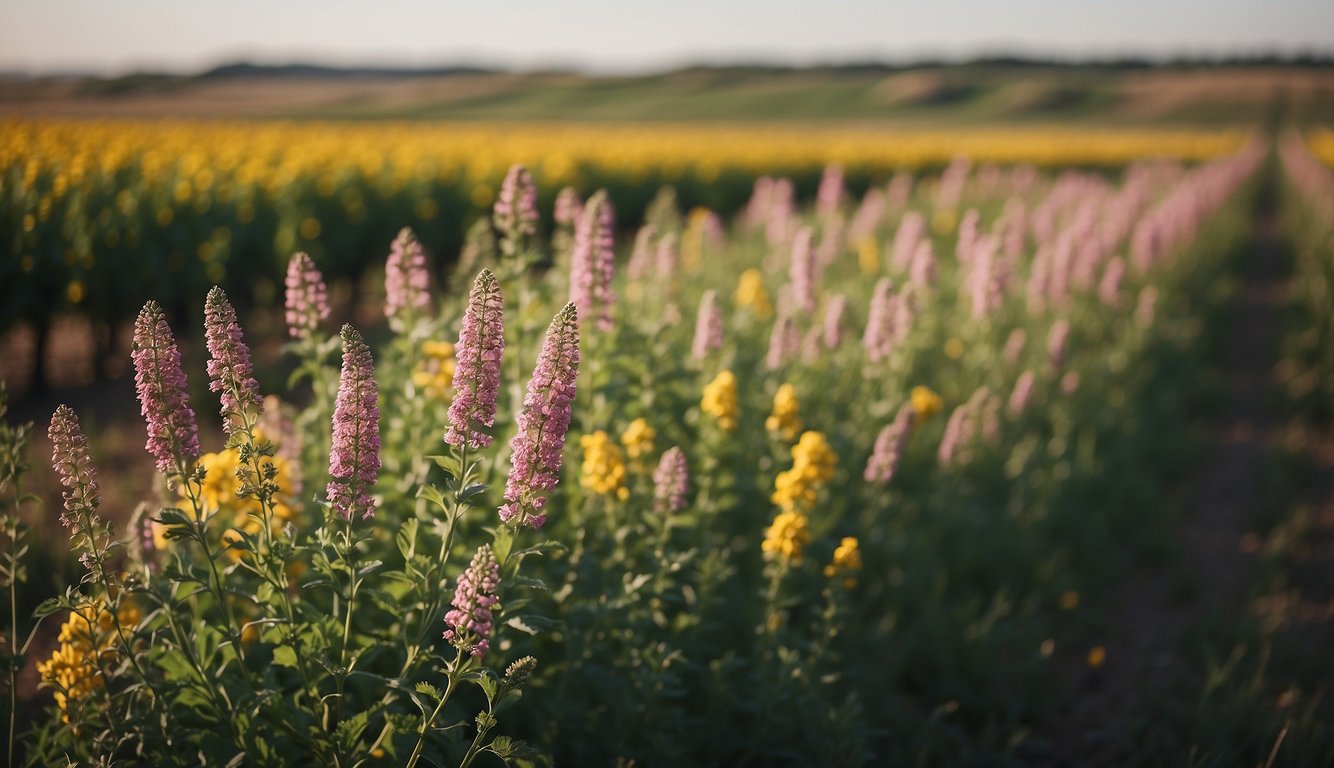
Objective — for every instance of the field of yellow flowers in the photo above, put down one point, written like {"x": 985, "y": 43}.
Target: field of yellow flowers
{"x": 841, "y": 479}
{"x": 96, "y": 209}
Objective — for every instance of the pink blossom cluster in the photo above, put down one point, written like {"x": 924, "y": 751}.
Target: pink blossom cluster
{"x": 477, "y": 370}
{"x": 475, "y": 604}
{"x": 354, "y": 457}
{"x": 547, "y": 407}
{"x": 173, "y": 435}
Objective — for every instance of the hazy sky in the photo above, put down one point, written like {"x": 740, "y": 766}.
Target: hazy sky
{"x": 116, "y": 36}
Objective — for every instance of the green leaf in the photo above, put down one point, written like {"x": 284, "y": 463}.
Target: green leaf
{"x": 476, "y": 489}
{"x": 449, "y": 463}
{"x": 426, "y": 689}
{"x": 48, "y": 607}
{"x": 488, "y": 685}
{"x": 349, "y": 731}
{"x": 173, "y": 516}
{"x": 433, "y": 495}
{"x": 406, "y": 538}
{"x": 285, "y": 656}
{"x": 504, "y": 542}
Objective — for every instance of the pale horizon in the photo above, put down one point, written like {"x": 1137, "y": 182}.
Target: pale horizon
{"x": 45, "y": 37}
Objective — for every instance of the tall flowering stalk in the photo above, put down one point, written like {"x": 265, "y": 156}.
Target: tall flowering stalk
{"x": 475, "y": 604}
{"x": 1014, "y": 345}
{"x": 515, "y": 212}
{"x": 230, "y": 372}
{"x": 406, "y": 280}
{"x": 307, "y": 297}
{"x": 708, "y": 326}
{"x": 832, "y": 329}
{"x": 1023, "y": 392}
{"x": 878, "y": 338}
{"x": 173, "y": 435}
{"x": 543, "y": 422}
{"x": 567, "y": 212}
{"x": 593, "y": 262}
{"x": 354, "y": 459}
{"x": 1058, "y": 339}
{"x": 671, "y": 481}
{"x": 477, "y": 373}
{"x": 78, "y": 478}
{"x": 889, "y": 446}
{"x": 784, "y": 421}
{"x": 719, "y": 400}
{"x": 830, "y": 194}
{"x": 957, "y": 431}
{"x": 801, "y": 270}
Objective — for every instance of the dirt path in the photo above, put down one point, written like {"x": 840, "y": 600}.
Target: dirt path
{"x": 1151, "y": 611}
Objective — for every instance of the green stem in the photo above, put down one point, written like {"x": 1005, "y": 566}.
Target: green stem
{"x": 476, "y": 745}
{"x": 426, "y": 726}
{"x": 14, "y": 622}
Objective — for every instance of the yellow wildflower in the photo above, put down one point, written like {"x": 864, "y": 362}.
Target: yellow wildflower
{"x": 1097, "y": 656}
{"x": 798, "y": 488}
{"x": 89, "y": 634}
{"x": 846, "y": 562}
{"x": 868, "y": 256}
{"x": 719, "y": 400}
{"x": 603, "y": 470}
{"x": 787, "y": 537}
{"x": 434, "y": 373}
{"x": 925, "y": 403}
{"x": 638, "y": 440}
{"x": 944, "y": 221}
{"x": 785, "y": 420}
{"x": 750, "y": 292}
{"x": 218, "y": 493}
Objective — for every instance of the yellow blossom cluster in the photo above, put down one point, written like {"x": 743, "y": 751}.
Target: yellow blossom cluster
{"x": 751, "y": 293}
{"x": 785, "y": 419}
{"x": 603, "y": 470}
{"x": 87, "y": 641}
{"x": 638, "y": 440}
{"x": 192, "y": 158}
{"x": 719, "y": 400}
{"x": 868, "y": 255}
{"x": 787, "y": 536}
{"x": 798, "y": 488}
{"x": 219, "y": 494}
{"x": 1321, "y": 142}
{"x": 846, "y": 562}
{"x": 434, "y": 373}
{"x": 925, "y": 403}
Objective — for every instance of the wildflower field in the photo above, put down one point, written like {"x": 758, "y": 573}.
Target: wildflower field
{"x": 839, "y": 449}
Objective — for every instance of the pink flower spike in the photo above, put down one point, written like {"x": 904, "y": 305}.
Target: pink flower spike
{"x": 542, "y": 424}
{"x": 173, "y": 435}
{"x": 475, "y": 604}
{"x": 229, "y": 370}
{"x": 70, "y": 460}
{"x": 477, "y": 374}
{"x": 406, "y": 280}
{"x": 708, "y": 326}
{"x": 307, "y": 297}
{"x": 670, "y": 482}
{"x": 593, "y": 262}
{"x": 354, "y": 457}
{"x": 515, "y": 211}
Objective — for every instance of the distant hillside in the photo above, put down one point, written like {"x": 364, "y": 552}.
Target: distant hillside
{"x": 995, "y": 90}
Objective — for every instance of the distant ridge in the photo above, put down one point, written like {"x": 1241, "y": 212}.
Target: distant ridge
{"x": 247, "y": 69}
